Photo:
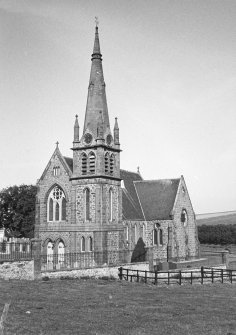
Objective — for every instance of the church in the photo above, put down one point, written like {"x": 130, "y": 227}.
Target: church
{"x": 86, "y": 203}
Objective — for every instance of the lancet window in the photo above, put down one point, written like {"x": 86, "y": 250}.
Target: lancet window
{"x": 86, "y": 204}
{"x": 110, "y": 204}
{"x": 157, "y": 236}
{"x": 82, "y": 244}
{"x": 184, "y": 217}
{"x": 90, "y": 244}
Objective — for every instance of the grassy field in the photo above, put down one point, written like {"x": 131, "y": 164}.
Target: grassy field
{"x": 101, "y": 307}
{"x": 224, "y": 219}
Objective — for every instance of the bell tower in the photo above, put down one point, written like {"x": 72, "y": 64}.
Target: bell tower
{"x": 96, "y": 164}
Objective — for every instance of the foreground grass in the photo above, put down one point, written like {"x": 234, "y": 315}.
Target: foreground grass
{"x": 102, "y": 307}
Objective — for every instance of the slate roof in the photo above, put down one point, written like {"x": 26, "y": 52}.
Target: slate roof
{"x": 157, "y": 197}
{"x": 131, "y": 209}
{"x": 69, "y": 162}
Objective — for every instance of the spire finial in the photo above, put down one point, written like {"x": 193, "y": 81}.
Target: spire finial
{"x": 96, "y": 21}
{"x": 57, "y": 143}
{"x": 138, "y": 169}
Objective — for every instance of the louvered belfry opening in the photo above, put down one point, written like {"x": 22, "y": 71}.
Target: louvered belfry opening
{"x": 92, "y": 163}
{"x": 112, "y": 164}
{"x": 84, "y": 163}
{"x": 107, "y": 163}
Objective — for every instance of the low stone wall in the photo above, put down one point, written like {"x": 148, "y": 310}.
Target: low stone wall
{"x": 17, "y": 270}
{"x": 96, "y": 272}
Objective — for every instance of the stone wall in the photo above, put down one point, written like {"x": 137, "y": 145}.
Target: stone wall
{"x": 23, "y": 270}
{"x": 144, "y": 229}
{"x": 97, "y": 272}
{"x": 185, "y": 236}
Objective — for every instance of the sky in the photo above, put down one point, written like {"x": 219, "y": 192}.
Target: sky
{"x": 170, "y": 73}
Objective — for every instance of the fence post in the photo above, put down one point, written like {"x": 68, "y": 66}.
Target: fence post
{"x": 155, "y": 277}
{"x": 145, "y": 276}
{"x": 137, "y": 276}
{"x": 191, "y": 277}
{"x": 222, "y": 275}
{"x": 120, "y": 273}
{"x": 168, "y": 278}
{"x": 180, "y": 277}
{"x": 212, "y": 275}
{"x": 225, "y": 258}
{"x": 36, "y": 255}
{"x": 202, "y": 274}
{"x": 231, "y": 276}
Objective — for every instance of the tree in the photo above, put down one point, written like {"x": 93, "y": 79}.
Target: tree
{"x": 17, "y": 210}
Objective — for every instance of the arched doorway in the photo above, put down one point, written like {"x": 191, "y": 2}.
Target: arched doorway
{"x": 49, "y": 252}
{"x": 61, "y": 253}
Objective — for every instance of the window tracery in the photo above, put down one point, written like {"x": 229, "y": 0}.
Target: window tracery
{"x": 56, "y": 205}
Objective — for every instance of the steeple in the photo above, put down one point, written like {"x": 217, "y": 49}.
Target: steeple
{"x": 96, "y": 100}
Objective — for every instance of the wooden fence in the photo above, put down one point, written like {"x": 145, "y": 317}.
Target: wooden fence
{"x": 203, "y": 275}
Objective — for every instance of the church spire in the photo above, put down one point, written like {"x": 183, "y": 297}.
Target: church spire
{"x": 96, "y": 100}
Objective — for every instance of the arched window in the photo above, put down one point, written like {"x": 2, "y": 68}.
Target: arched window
{"x": 127, "y": 233}
{"x": 135, "y": 234}
{"x": 56, "y": 171}
{"x": 155, "y": 236}
{"x": 107, "y": 162}
{"x": 50, "y": 209}
{"x": 110, "y": 205}
{"x": 82, "y": 244}
{"x": 184, "y": 217}
{"x": 84, "y": 163}
{"x": 111, "y": 164}
{"x": 160, "y": 237}
{"x": 56, "y": 206}
{"x": 143, "y": 231}
{"x": 63, "y": 214}
{"x": 86, "y": 204}
{"x": 90, "y": 244}
{"x": 92, "y": 163}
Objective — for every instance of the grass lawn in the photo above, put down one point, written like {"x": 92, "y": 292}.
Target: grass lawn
{"x": 113, "y": 307}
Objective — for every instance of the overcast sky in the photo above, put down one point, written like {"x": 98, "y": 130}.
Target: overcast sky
{"x": 170, "y": 72}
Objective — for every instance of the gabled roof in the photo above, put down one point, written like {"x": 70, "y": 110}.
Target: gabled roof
{"x": 157, "y": 197}
{"x": 69, "y": 162}
{"x": 131, "y": 209}
{"x": 61, "y": 158}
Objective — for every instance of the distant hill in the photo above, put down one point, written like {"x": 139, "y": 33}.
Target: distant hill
{"x": 216, "y": 220}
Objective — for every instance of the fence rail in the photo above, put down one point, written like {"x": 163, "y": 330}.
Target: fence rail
{"x": 10, "y": 251}
{"x": 83, "y": 260}
{"x": 202, "y": 276}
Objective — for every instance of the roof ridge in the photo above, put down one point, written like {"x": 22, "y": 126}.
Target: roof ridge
{"x": 129, "y": 171}
{"x": 153, "y": 180}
